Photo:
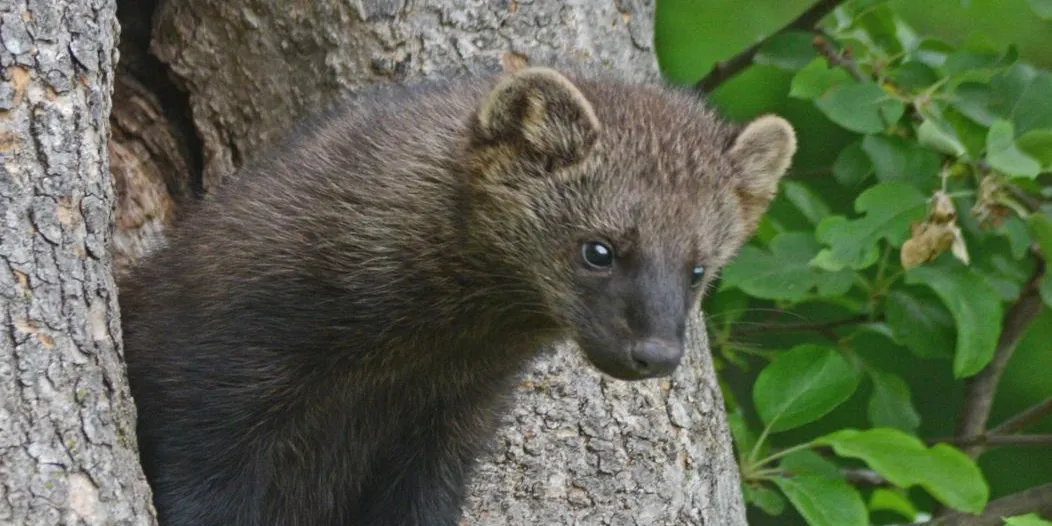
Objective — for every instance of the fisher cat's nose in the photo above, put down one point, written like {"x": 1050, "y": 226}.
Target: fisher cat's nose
{"x": 653, "y": 357}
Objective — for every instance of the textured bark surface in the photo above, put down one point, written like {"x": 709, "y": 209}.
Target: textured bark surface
{"x": 578, "y": 448}
{"x": 149, "y": 171}
{"x": 252, "y": 67}
{"x": 67, "y": 449}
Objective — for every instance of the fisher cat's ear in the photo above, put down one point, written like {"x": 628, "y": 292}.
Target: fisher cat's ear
{"x": 540, "y": 113}
{"x": 761, "y": 154}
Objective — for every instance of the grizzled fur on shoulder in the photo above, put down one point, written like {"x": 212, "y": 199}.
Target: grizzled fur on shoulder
{"x": 331, "y": 338}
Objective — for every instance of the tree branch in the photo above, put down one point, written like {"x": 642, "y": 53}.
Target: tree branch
{"x": 981, "y": 388}
{"x": 798, "y": 327}
{"x": 1002, "y": 435}
{"x": 1037, "y": 500}
{"x": 990, "y": 439}
{"x": 836, "y": 59}
{"x": 1025, "y": 419}
{"x": 725, "y": 70}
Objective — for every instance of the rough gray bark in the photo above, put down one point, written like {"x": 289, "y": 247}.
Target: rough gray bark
{"x": 251, "y": 67}
{"x": 67, "y": 449}
{"x": 579, "y": 448}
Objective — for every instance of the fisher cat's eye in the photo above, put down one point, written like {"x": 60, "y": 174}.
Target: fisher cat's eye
{"x": 696, "y": 274}
{"x": 597, "y": 254}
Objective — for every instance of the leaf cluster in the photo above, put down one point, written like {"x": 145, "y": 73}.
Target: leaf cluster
{"x": 948, "y": 225}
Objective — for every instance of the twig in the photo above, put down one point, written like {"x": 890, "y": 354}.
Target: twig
{"x": 1037, "y": 500}
{"x": 1002, "y": 435}
{"x": 1023, "y": 420}
{"x": 990, "y": 439}
{"x": 835, "y": 59}
{"x": 1030, "y": 202}
{"x": 980, "y": 389}
{"x": 799, "y": 327}
{"x": 864, "y": 477}
{"x": 723, "y": 71}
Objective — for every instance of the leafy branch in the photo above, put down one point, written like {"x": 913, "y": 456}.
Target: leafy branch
{"x": 981, "y": 388}
{"x": 727, "y": 69}
{"x": 1004, "y": 434}
{"x": 940, "y": 130}
{"x": 834, "y": 58}
{"x": 1038, "y": 499}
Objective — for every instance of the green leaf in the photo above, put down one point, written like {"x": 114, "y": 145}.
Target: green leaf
{"x": 1023, "y": 95}
{"x": 943, "y": 471}
{"x": 980, "y": 59}
{"x": 846, "y": 15}
{"x": 887, "y": 500}
{"x": 895, "y": 158}
{"x": 945, "y": 130}
{"x": 1037, "y": 144}
{"x": 889, "y": 210}
{"x": 824, "y": 502}
{"x": 919, "y": 321}
{"x": 861, "y": 108}
{"x": 975, "y": 306}
{"x": 877, "y": 31}
{"x": 767, "y": 229}
{"x": 973, "y": 100}
{"x": 1030, "y": 519}
{"x": 1045, "y": 288}
{"x": 978, "y": 65}
{"x": 1015, "y": 231}
{"x": 889, "y": 404}
{"x": 743, "y": 437}
{"x": 807, "y": 462}
{"x": 1004, "y": 156}
{"x": 914, "y": 76}
{"x": 852, "y": 165}
{"x": 801, "y": 385}
{"x": 768, "y": 500}
{"x": 816, "y": 78}
{"x": 970, "y": 133}
{"x": 784, "y": 273}
{"x": 994, "y": 263}
{"x": 933, "y": 52}
{"x": 791, "y": 51}
{"x": 1040, "y": 226}
{"x": 954, "y": 479}
{"x": 931, "y": 135}
{"x": 726, "y": 306}
{"x": 1043, "y": 9}
{"x": 807, "y": 202}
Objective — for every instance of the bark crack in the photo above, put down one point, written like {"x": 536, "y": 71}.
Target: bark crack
{"x": 141, "y": 64}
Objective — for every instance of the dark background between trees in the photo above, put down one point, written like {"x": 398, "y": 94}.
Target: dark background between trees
{"x": 202, "y": 85}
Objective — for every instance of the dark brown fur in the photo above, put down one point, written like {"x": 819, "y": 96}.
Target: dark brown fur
{"x": 330, "y": 339}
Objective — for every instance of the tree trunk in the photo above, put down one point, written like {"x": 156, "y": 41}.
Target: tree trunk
{"x": 578, "y": 448}
{"x": 67, "y": 449}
